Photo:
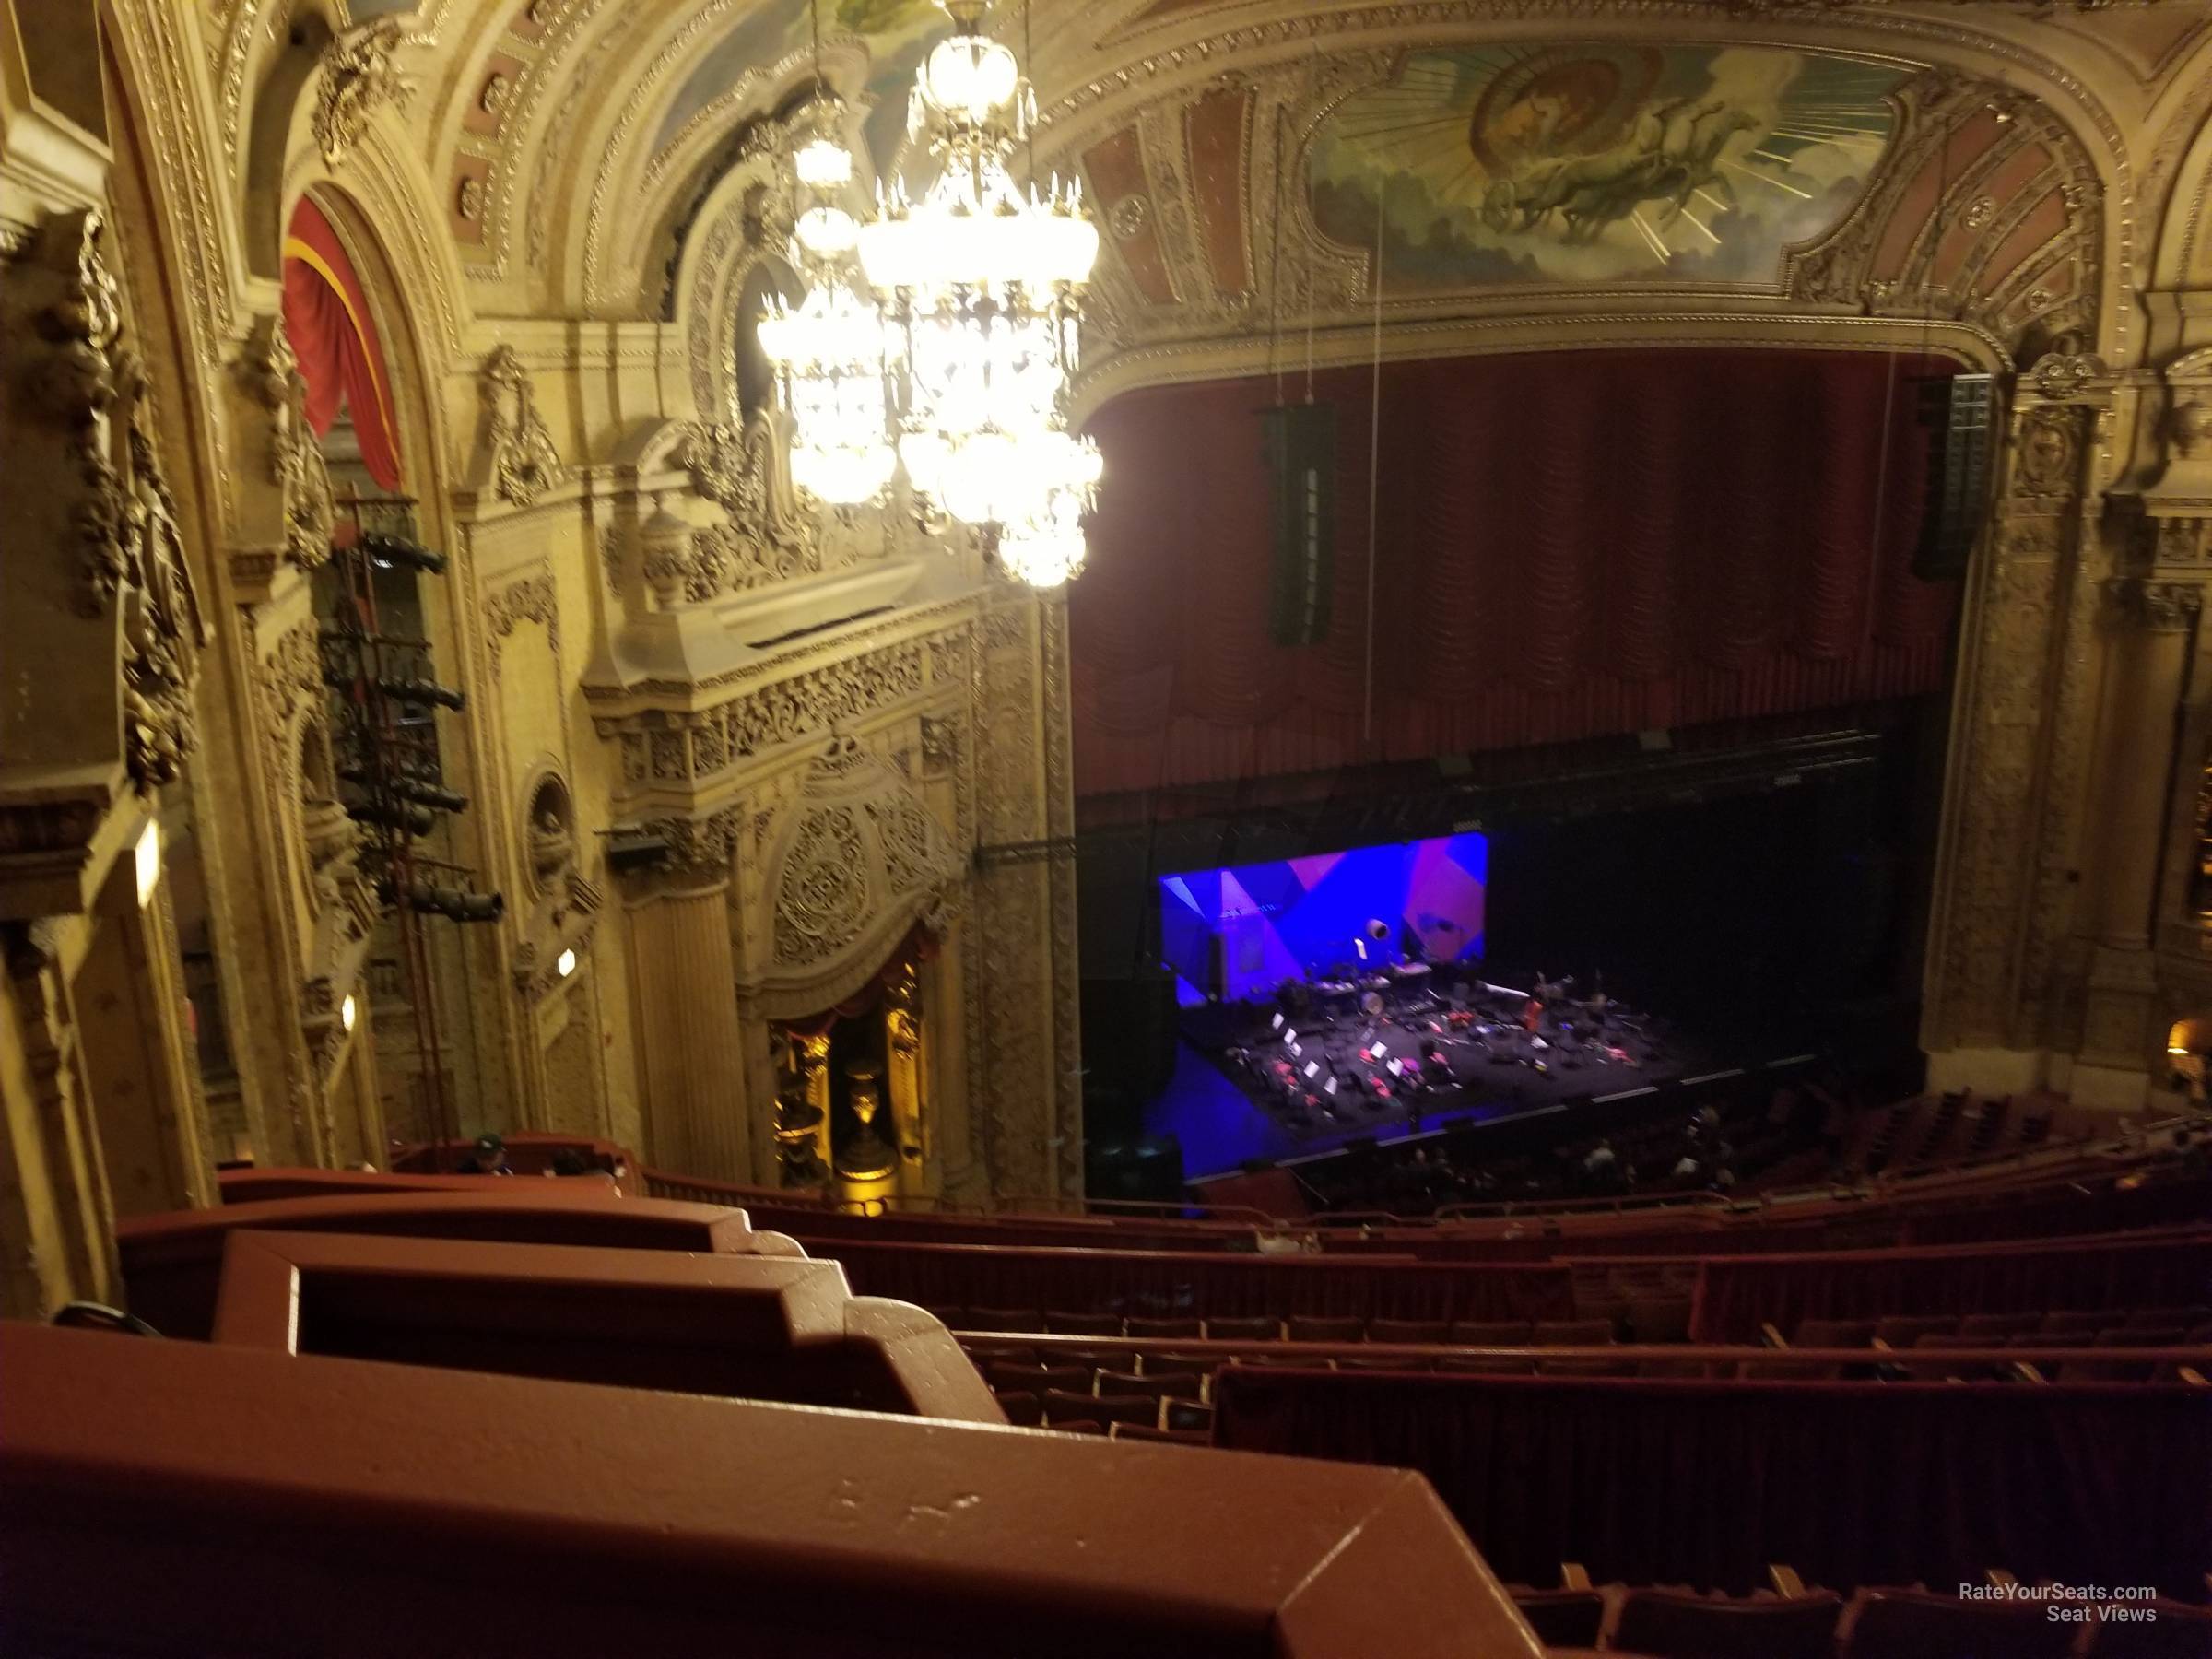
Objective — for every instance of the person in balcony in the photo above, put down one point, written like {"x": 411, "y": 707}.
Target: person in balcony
{"x": 488, "y": 1158}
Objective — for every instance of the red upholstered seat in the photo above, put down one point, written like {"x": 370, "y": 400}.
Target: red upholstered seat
{"x": 1005, "y": 1319}
{"x": 1314, "y": 1327}
{"x": 1138, "y": 1325}
{"x": 1408, "y": 1329}
{"x": 1490, "y": 1333}
{"x": 1025, "y": 1410}
{"x": 1083, "y": 1324}
{"x": 1258, "y": 1327}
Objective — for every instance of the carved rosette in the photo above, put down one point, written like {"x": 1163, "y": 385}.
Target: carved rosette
{"x": 861, "y": 860}
{"x": 523, "y": 463}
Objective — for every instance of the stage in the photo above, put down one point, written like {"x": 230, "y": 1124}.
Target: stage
{"x": 1229, "y": 1101}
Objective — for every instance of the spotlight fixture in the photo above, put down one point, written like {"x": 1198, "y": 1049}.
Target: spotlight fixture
{"x": 399, "y": 552}
{"x": 455, "y": 904}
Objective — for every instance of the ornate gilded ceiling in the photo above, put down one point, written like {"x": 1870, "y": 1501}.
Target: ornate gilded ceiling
{"x": 1240, "y": 148}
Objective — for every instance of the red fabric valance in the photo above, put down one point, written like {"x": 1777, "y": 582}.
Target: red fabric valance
{"x": 1571, "y": 544}
{"x": 919, "y": 945}
{"x": 326, "y": 318}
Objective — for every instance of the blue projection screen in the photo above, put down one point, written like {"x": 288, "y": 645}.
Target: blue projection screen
{"x": 1266, "y": 923}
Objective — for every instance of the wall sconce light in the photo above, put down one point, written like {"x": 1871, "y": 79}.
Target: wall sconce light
{"x": 149, "y": 862}
{"x": 565, "y": 963}
{"x": 345, "y": 1012}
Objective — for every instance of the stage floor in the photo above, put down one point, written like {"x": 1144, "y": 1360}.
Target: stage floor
{"x": 1221, "y": 1126}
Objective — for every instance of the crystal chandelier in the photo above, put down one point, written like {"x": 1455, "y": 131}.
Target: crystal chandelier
{"x": 827, "y": 350}
{"x": 980, "y": 282}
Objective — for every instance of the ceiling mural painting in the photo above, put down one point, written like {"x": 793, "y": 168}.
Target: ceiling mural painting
{"x": 898, "y": 34}
{"x": 1592, "y": 163}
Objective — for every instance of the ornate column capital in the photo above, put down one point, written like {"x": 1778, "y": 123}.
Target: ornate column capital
{"x": 2149, "y": 606}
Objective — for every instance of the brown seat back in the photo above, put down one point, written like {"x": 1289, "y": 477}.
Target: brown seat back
{"x": 1562, "y": 1618}
{"x": 1314, "y": 1327}
{"x": 1668, "y": 1625}
{"x": 1256, "y": 1327}
{"x": 1408, "y": 1329}
{"x": 2172, "y": 1630}
{"x": 1139, "y": 1325}
{"x": 1083, "y": 1324}
{"x": 1490, "y": 1333}
{"x": 1913, "y": 1624}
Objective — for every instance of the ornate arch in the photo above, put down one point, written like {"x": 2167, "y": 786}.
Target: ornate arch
{"x": 743, "y": 225}
{"x": 857, "y": 860}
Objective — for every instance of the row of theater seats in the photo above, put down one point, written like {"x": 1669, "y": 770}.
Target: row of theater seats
{"x": 1294, "y": 1327}
{"x": 1901, "y": 1622}
{"x": 2173, "y": 1327}
{"x": 2188, "y": 1323}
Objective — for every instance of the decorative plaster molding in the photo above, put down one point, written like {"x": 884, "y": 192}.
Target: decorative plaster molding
{"x": 360, "y": 71}
{"x": 525, "y": 464}
{"x": 271, "y": 375}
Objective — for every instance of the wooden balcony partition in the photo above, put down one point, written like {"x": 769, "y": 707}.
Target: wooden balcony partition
{"x": 1703, "y": 1483}
{"x": 741, "y": 1326}
{"x": 171, "y": 1263}
{"x": 1738, "y": 1295}
{"x": 174, "y": 1499}
{"x": 263, "y": 1186}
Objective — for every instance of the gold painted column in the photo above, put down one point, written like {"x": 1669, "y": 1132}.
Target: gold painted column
{"x": 812, "y": 1054}
{"x": 693, "y": 1056}
{"x": 904, "y": 1069}
{"x": 2150, "y": 625}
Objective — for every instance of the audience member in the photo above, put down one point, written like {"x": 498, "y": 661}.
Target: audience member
{"x": 488, "y": 1158}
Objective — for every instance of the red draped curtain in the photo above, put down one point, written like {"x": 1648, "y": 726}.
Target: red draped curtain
{"x": 1567, "y": 545}
{"x": 328, "y": 320}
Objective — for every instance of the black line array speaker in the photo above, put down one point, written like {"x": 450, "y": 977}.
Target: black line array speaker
{"x": 1960, "y": 416}
{"x": 1299, "y": 444}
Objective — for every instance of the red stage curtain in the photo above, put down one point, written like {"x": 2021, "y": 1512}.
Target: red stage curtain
{"x": 1570, "y": 545}
{"x": 1704, "y": 1483}
{"x": 326, "y": 318}
{"x": 1735, "y": 1295}
{"x": 1222, "y": 1285}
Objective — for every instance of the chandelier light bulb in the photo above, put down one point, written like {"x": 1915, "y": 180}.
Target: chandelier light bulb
{"x": 823, "y": 164}
{"x": 827, "y": 232}
{"x": 967, "y": 77}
